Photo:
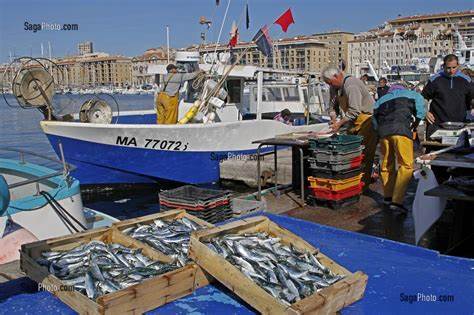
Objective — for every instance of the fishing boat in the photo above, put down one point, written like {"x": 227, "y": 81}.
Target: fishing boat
{"x": 38, "y": 202}
{"x": 129, "y": 147}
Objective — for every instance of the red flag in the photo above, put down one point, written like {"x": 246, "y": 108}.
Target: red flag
{"x": 233, "y": 40}
{"x": 285, "y": 20}
{"x": 234, "y": 35}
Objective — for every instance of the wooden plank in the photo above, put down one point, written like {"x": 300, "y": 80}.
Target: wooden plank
{"x": 327, "y": 301}
{"x": 201, "y": 278}
{"x": 143, "y": 296}
{"x": 61, "y": 243}
{"x": 240, "y": 226}
{"x": 157, "y": 283}
{"x": 167, "y": 214}
{"x": 358, "y": 284}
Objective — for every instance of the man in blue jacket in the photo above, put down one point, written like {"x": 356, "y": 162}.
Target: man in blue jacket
{"x": 396, "y": 116}
{"x": 450, "y": 92}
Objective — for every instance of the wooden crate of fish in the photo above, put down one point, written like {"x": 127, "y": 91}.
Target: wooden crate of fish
{"x": 274, "y": 270}
{"x": 167, "y": 232}
{"x": 103, "y": 271}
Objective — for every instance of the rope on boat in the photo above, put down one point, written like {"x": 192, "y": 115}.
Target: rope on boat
{"x": 62, "y": 212}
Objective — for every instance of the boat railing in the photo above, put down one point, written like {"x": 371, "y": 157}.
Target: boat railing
{"x": 66, "y": 167}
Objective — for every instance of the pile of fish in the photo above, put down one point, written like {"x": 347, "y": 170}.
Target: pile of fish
{"x": 285, "y": 272}
{"x": 168, "y": 237}
{"x": 97, "y": 268}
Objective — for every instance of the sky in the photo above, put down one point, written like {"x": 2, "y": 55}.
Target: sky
{"x": 127, "y": 27}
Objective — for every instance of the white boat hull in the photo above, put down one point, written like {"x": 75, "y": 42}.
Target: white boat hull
{"x": 131, "y": 153}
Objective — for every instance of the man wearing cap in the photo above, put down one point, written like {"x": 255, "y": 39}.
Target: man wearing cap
{"x": 396, "y": 116}
{"x": 168, "y": 99}
{"x": 354, "y": 102}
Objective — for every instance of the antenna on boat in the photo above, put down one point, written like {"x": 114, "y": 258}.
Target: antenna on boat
{"x": 63, "y": 160}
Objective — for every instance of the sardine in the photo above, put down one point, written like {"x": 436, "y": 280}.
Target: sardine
{"x": 90, "y": 286}
{"x": 286, "y": 272}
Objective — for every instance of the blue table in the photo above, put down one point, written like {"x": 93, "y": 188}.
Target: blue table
{"x": 396, "y": 271}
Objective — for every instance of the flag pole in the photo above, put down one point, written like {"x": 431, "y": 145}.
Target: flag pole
{"x": 227, "y": 72}
{"x": 168, "y": 43}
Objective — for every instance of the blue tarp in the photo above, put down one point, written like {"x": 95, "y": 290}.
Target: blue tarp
{"x": 396, "y": 272}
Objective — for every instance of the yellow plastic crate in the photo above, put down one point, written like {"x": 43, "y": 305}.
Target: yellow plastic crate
{"x": 334, "y": 184}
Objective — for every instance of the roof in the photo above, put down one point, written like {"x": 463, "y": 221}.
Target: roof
{"x": 413, "y": 18}
{"x": 333, "y": 33}
{"x": 299, "y": 39}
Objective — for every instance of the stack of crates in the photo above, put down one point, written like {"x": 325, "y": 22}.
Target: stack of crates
{"x": 210, "y": 205}
{"x": 336, "y": 168}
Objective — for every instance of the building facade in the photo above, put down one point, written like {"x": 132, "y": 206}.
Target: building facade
{"x": 337, "y": 43}
{"x": 462, "y": 21}
{"x": 91, "y": 70}
{"x": 140, "y": 65}
{"x": 414, "y": 41}
{"x": 85, "y": 48}
{"x": 300, "y": 53}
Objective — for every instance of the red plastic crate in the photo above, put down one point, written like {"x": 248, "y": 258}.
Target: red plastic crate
{"x": 326, "y": 194}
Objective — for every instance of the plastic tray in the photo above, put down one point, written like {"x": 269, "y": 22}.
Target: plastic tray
{"x": 194, "y": 207}
{"x": 193, "y": 194}
{"x": 339, "y": 142}
{"x": 345, "y": 174}
{"x": 333, "y": 204}
{"x": 334, "y": 184}
{"x": 326, "y": 194}
{"x": 336, "y": 166}
{"x": 337, "y": 156}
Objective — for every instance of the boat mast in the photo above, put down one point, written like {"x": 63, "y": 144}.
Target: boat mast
{"x": 168, "y": 43}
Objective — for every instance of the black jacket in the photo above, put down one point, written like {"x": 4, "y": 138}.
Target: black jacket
{"x": 381, "y": 91}
{"x": 451, "y": 97}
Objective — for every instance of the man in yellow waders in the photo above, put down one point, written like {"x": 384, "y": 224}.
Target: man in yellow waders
{"x": 396, "y": 116}
{"x": 168, "y": 99}
{"x": 355, "y": 104}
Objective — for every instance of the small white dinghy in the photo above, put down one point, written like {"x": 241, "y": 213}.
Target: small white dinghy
{"x": 38, "y": 203}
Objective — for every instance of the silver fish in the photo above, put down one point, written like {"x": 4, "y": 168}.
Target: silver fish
{"x": 97, "y": 268}
{"x": 90, "y": 286}
{"x": 284, "y": 271}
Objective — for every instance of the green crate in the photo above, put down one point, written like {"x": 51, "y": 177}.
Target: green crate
{"x": 341, "y": 143}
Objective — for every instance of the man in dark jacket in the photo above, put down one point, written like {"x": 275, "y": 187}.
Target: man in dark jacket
{"x": 396, "y": 115}
{"x": 382, "y": 89}
{"x": 450, "y": 92}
